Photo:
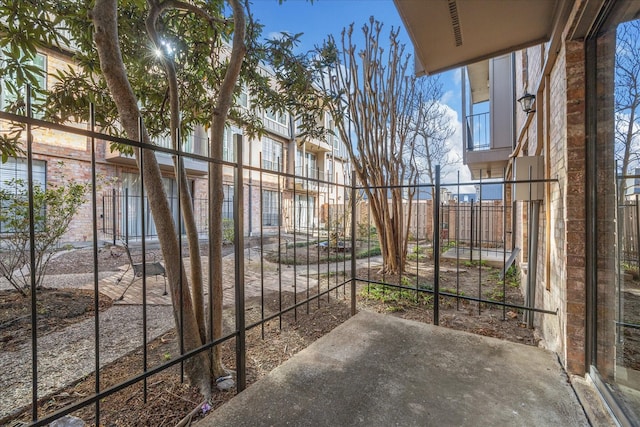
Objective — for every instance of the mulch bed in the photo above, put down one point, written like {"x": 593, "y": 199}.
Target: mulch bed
{"x": 55, "y": 308}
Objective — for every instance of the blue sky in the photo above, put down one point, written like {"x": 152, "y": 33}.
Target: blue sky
{"x": 322, "y": 17}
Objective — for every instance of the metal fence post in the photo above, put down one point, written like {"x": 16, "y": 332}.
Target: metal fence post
{"x": 32, "y": 263}
{"x": 238, "y": 238}
{"x": 126, "y": 211}
{"x": 353, "y": 243}
{"x": 113, "y": 214}
{"x": 436, "y": 249}
{"x": 96, "y": 300}
{"x": 471, "y": 231}
{"x": 637, "y": 236}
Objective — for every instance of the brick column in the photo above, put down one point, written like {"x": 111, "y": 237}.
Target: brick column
{"x": 606, "y": 206}
{"x": 575, "y": 208}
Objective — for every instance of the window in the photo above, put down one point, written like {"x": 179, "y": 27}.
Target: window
{"x": 163, "y": 141}
{"x": 14, "y": 178}
{"x": 131, "y": 209}
{"x": 8, "y": 97}
{"x": 243, "y": 98}
{"x": 270, "y": 115}
{"x": 306, "y": 165}
{"x": 16, "y": 169}
{"x": 281, "y": 118}
{"x": 611, "y": 115}
{"x": 312, "y": 166}
{"x": 270, "y": 208}
{"x": 227, "y": 204}
{"x": 271, "y": 154}
{"x": 305, "y": 212}
{"x": 188, "y": 142}
{"x": 228, "y": 146}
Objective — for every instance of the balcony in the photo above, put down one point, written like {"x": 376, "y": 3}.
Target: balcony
{"x": 488, "y": 130}
{"x": 372, "y": 369}
{"x": 316, "y": 145}
{"x": 196, "y": 144}
{"x": 478, "y": 132}
{"x": 483, "y": 156}
{"x": 306, "y": 179}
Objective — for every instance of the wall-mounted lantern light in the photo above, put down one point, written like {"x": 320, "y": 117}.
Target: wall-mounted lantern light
{"x": 527, "y": 103}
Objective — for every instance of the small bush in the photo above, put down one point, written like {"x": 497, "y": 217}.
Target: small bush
{"x": 54, "y": 207}
{"x": 228, "y": 233}
{"x": 397, "y": 297}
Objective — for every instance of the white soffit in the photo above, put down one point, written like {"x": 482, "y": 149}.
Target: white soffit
{"x": 451, "y": 33}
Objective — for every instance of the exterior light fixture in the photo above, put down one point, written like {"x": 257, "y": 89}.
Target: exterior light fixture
{"x": 526, "y": 102}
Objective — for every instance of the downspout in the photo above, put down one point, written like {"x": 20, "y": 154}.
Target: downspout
{"x": 514, "y": 216}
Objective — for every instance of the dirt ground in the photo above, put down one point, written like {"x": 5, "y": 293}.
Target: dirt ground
{"x": 169, "y": 400}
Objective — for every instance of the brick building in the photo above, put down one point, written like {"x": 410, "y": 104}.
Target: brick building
{"x": 271, "y": 201}
{"x": 564, "y": 54}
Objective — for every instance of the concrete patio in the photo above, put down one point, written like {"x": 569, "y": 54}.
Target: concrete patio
{"x": 379, "y": 370}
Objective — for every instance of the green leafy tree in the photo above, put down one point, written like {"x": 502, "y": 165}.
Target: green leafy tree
{"x": 54, "y": 207}
{"x": 26, "y": 26}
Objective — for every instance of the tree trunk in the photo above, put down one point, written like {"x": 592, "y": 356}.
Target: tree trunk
{"x": 186, "y": 200}
{"x": 104, "y": 16}
{"x": 216, "y": 194}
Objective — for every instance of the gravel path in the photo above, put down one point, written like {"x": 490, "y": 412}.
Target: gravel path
{"x": 68, "y": 355}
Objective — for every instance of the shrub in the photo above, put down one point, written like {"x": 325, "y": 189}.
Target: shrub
{"x": 228, "y": 233}
{"x": 54, "y": 207}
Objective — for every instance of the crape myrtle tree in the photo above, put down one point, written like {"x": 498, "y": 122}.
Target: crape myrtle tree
{"x": 374, "y": 95}
{"x": 180, "y": 64}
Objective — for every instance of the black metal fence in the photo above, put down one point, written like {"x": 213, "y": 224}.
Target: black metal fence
{"x": 476, "y": 224}
{"x": 345, "y": 237}
{"x": 629, "y": 226}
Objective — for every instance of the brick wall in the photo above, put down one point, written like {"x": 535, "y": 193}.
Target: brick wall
{"x": 560, "y": 117}
{"x": 553, "y": 294}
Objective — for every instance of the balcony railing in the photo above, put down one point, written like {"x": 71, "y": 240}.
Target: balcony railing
{"x": 272, "y": 165}
{"x": 478, "y": 132}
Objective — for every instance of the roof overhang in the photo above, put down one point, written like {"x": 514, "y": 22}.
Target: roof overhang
{"x": 479, "y": 81}
{"x": 448, "y": 34}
